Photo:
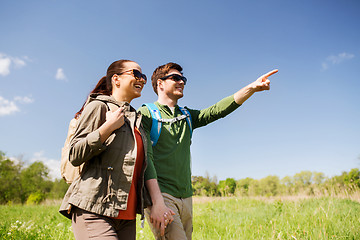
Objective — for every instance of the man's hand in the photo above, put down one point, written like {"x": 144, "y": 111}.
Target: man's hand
{"x": 261, "y": 84}
{"x": 161, "y": 216}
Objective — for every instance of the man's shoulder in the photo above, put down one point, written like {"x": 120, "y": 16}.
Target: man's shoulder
{"x": 146, "y": 107}
{"x": 144, "y": 110}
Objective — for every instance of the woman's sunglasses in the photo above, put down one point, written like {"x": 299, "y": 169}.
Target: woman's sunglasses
{"x": 137, "y": 74}
{"x": 175, "y": 77}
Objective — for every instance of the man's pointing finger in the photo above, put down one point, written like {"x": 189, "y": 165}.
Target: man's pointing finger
{"x": 270, "y": 73}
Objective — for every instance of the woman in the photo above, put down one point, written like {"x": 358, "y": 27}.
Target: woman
{"x": 111, "y": 143}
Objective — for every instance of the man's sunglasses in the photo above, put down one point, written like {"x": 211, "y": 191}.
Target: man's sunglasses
{"x": 175, "y": 77}
{"x": 137, "y": 74}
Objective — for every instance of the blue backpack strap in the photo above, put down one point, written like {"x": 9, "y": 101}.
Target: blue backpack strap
{"x": 186, "y": 112}
{"x": 156, "y": 124}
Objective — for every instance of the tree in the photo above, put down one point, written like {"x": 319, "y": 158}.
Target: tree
{"x": 353, "y": 177}
{"x": 254, "y": 188}
{"x": 35, "y": 179}
{"x": 318, "y": 178}
{"x": 10, "y": 188}
{"x": 59, "y": 188}
{"x": 242, "y": 187}
{"x": 227, "y": 187}
{"x": 302, "y": 180}
{"x": 204, "y": 186}
{"x": 269, "y": 185}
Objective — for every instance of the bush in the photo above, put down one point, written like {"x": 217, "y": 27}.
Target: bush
{"x": 35, "y": 198}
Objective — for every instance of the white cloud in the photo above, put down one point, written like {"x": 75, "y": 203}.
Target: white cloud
{"x": 19, "y": 62}
{"x": 60, "y": 75}
{"x": 336, "y": 59}
{"x": 52, "y": 164}
{"x": 24, "y": 99}
{"x": 6, "y": 62}
{"x": 7, "y": 107}
{"x": 340, "y": 58}
{"x": 15, "y": 160}
{"x": 324, "y": 66}
{"x": 4, "y": 66}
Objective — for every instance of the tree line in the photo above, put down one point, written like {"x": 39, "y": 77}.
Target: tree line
{"x": 302, "y": 183}
{"x": 32, "y": 184}
{"x": 27, "y": 184}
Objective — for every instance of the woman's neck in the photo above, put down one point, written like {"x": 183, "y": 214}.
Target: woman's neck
{"x": 121, "y": 98}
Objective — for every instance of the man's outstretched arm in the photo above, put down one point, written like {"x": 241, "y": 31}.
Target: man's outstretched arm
{"x": 261, "y": 84}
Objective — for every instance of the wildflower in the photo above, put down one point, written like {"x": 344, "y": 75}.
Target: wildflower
{"x": 60, "y": 225}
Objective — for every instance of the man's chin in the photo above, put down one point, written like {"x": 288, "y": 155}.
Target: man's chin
{"x": 179, "y": 95}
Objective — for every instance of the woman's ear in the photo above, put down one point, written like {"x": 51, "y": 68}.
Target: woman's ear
{"x": 115, "y": 79}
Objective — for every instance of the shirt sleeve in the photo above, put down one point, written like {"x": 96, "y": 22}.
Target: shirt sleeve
{"x": 146, "y": 120}
{"x": 219, "y": 110}
{"x": 86, "y": 142}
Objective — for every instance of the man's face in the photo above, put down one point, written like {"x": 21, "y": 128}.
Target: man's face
{"x": 169, "y": 87}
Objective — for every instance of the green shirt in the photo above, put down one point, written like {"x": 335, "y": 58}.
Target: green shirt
{"x": 171, "y": 155}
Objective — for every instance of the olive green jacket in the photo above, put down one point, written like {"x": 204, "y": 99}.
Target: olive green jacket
{"x": 104, "y": 185}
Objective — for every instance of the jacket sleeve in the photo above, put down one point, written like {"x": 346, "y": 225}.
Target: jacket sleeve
{"x": 146, "y": 121}
{"x": 86, "y": 141}
{"x": 219, "y": 110}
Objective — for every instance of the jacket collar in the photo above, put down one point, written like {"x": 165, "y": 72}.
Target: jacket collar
{"x": 166, "y": 107}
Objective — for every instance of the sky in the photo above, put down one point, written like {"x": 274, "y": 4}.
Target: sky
{"x": 52, "y": 53}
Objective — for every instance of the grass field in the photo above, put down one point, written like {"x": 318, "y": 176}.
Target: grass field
{"x": 214, "y": 218}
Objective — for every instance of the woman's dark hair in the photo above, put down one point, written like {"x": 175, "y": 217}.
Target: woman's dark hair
{"x": 104, "y": 85}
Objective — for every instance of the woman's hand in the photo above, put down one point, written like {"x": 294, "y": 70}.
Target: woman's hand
{"x": 161, "y": 216}
{"x": 114, "y": 120}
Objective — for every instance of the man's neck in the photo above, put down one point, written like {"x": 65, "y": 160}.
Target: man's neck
{"x": 167, "y": 101}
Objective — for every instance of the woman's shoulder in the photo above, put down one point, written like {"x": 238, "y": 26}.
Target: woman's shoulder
{"x": 94, "y": 105}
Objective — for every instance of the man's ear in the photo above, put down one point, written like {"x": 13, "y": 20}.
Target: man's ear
{"x": 160, "y": 84}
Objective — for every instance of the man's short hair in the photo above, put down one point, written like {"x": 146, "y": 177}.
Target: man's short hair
{"x": 162, "y": 71}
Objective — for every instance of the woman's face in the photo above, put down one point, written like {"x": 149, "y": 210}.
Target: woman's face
{"x": 130, "y": 82}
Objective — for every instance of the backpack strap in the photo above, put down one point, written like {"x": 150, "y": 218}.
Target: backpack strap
{"x": 111, "y": 106}
{"x": 156, "y": 122}
{"x": 188, "y": 118}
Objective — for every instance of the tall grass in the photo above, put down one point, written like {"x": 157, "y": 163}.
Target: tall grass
{"x": 220, "y": 218}
{"x": 323, "y": 218}
{"x": 33, "y": 222}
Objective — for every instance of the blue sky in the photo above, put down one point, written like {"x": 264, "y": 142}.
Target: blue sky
{"x": 52, "y": 53}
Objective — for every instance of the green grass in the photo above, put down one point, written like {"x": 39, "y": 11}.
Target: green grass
{"x": 316, "y": 218}
{"x": 324, "y": 218}
{"x": 33, "y": 222}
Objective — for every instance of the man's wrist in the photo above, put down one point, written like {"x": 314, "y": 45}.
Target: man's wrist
{"x": 158, "y": 199}
{"x": 251, "y": 88}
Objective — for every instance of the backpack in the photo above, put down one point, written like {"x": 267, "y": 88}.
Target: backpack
{"x": 157, "y": 121}
{"x": 69, "y": 172}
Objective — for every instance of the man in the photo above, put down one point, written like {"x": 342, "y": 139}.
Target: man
{"x": 171, "y": 153}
